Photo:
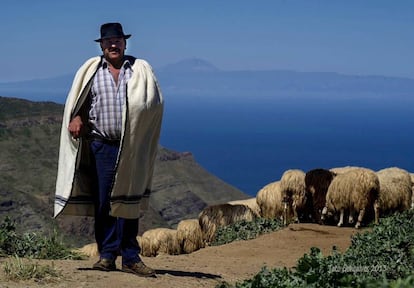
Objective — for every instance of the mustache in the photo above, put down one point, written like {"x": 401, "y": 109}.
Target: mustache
{"x": 114, "y": 49}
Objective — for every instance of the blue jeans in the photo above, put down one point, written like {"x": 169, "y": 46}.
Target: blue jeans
{"x": 114, "y": 236}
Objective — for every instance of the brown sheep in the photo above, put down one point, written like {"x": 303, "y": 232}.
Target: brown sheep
{"x": 215, "y": 216}
{"x": 317, "y": 182}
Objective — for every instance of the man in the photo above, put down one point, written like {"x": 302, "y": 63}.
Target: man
{"x": 109, "y": 138}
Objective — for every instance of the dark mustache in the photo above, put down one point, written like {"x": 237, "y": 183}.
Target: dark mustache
{"x": 114, "y": 49}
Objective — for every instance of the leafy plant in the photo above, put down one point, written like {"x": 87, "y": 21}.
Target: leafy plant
{"x": 383, "y": 257}
{"x": 8, "y": 236}
{"x": 245, "y": 230}
{"x": 32, "y": 245}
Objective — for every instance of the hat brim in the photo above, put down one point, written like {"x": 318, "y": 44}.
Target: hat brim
{"x": 100, "y": 39}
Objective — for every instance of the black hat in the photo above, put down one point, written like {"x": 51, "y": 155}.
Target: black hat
{"x": 110, "y": 30}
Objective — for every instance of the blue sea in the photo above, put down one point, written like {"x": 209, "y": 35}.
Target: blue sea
{"x": 249, "y": 143}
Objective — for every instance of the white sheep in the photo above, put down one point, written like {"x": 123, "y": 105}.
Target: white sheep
{"x": 251, "y": 203}
{"x": 395, "y": 190}
{"x": 189, "y": 235}
{"x": 355, "y": 190}
{"x": 90, "y": 250}
{"x": 159, "y": 241}
{"x": 215, "y": 216}
{"x": 341, "y": 170}
{"x": 292, "y": 184}
{"x": 270, "y": 201}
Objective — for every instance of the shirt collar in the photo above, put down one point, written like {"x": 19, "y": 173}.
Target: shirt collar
{"x": 125, "y": 65}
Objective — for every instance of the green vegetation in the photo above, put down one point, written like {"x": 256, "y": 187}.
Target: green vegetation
{"x": 29, "y": 135}
{"x": 15, "y": 108}
{"x": 32, "y": 245}
{"x": 29, "y": 246}
{"x": 17, "y": 269}
{"x": 383, "y": 257}
{"x": 245, "y": 230}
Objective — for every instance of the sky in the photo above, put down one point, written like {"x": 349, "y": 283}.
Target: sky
{"x": 48, "y": 38}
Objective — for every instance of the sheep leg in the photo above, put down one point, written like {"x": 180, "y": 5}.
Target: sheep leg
{"x": 351, "y": 217}
{"x": 295, "y": 215}
{"x": 341, "y": 218}
{"x": 324, "y": 212}
{"x": 285, "y": 213}
{"x": 376, "y": 211}
{"x": 360, "y": 217}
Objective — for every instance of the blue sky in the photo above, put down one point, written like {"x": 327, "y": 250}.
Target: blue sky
{"x": 47, "y": 38}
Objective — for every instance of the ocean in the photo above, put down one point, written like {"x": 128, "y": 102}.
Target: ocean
{"x": 249, "y": 143}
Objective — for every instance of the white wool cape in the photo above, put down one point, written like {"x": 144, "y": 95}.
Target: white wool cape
{"x": 141, "y": 126}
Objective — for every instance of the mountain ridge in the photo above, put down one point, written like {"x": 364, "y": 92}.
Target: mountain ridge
{"x": 198, "y": 77}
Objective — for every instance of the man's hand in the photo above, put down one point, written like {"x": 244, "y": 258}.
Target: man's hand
{"x": 75, "y": 127}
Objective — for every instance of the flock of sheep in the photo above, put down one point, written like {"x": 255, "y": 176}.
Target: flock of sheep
{"x": 324, "y": 196}
{"x": 321, "y": 196}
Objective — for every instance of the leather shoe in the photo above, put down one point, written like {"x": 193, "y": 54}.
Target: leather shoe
{"x": 138, "y": 268}
{"x": 105, "y": 265}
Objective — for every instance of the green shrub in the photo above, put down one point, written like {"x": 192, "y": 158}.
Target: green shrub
{"x": 383, "y": 257}
{"x": 245, "y": 230}
{"x": 8, "y": 237}
{"x": 390, "y": 245}
{"x": 32, "y": 245}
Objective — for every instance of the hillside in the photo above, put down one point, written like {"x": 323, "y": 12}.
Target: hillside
{"x": 29, "y": 139}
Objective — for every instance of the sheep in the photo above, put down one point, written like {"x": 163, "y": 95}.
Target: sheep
{"x": 341, "y": 170}
{"x": 270, "y": 201}
{"x": 251, "y": 203}
{"x": 189, "y": 235}
{"x": 355, "y": 190}
{"x": 395, "y": 192}
{"x": 412, "y": 178}
{"x": 316, "y": 186}
{"x": 292, "y": 184}
{"x": 159, "y": 241}
{"x": 220, "y": 215}
{"x": 90, "y": 250}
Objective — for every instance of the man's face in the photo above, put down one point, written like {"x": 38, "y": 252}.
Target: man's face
{"x": 113, "y": 48}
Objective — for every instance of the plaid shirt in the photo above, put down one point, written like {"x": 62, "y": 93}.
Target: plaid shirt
{"x": 107, "y": 100}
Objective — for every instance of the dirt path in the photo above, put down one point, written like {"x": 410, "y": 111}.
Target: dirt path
{"x": 207, "y": 267}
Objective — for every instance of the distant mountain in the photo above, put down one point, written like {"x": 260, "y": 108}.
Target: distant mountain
{"x": 50, "y": 89}
{"x": 183, "y": 79}
{"x": 29, "y": 141}
{"x": 198, "y": 78}
{"x": 191, "y": 65}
